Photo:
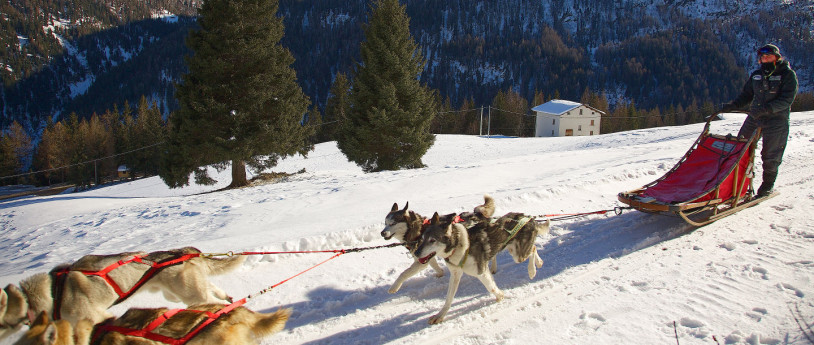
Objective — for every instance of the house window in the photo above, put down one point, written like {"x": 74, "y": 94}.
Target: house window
{"x": 569, "y": 132}
{"x": 592, "y": 122}
{"x": 553, "y": 121}
{"x": 592, "y": 132}
{"x": 579, "y": 128}
{"x": 552, "y": 132}
{"x": 580, "y": 111}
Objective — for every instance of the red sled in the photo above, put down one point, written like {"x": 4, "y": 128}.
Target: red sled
{"x": 713, "y": 180}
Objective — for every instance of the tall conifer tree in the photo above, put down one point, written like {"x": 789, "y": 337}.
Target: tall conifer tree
{"x": 336, "y": 107}
{"x": 390, "y": 110}
{"x": 240, "y": 101}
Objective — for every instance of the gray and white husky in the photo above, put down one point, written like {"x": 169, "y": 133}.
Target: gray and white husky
{"x": 407, "y": 226}
{"x": 469, "y": 250}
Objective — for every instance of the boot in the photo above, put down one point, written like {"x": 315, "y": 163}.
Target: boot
{"x": 767, "y": 185}
{"x": 763, "y": 191}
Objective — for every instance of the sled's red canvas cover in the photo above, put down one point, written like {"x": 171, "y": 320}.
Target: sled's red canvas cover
{"x": 712, "y": 163}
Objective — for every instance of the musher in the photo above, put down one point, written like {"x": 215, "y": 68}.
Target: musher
{"x": 771, "y": 89}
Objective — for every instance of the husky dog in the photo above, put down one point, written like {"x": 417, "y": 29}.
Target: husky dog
{"x": 89, "y": 296}
{"x": 407, "y": 226}
{"x": 239, "y": 326}
{"x": 468, "y": 251}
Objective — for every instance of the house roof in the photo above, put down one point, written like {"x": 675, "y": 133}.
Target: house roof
{"x": 556, "y": 106}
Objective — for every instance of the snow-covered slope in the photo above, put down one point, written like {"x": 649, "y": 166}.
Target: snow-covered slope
{"x": 610, "y": 279}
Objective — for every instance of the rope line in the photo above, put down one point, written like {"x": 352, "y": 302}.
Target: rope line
{"x": 339, "y": 251}
{"x": 565, "y": 216}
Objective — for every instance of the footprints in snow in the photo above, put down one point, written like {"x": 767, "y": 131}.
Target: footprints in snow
{"x": 591, "y": 321}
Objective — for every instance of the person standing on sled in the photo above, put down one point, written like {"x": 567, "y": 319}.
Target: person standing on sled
{"x": 771, "y": 90}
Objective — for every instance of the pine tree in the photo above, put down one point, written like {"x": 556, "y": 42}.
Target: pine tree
{"x": 315, "y": 122}
{"x": 508, "y": 113}
{"x": 8, "y": 163}
{"x": 336, "y": 107}
{"x": 391, "y": 111}
{"x": 240, "y": 101}
{"x": 16, "y": 149}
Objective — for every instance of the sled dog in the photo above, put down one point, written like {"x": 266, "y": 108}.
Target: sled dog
{"x": 469, "y": 250}
{"x": 88, "y": 296}
{"x": 239, "y": 326}
{"x": 407, "y": 226}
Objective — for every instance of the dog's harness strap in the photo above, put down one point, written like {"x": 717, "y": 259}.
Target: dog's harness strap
{"x": 60, "y": 276}
{"x": 463, "y": 261}
{"x": 520, "y": 224}
{"x": 457, "y": 219}
{"x": 57, "y": 289}
{"x": 155, "y": 268}
{"x": 147, "y": 332}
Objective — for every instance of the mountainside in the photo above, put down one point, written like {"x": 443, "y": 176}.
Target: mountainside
{"x": 86, "y": 56}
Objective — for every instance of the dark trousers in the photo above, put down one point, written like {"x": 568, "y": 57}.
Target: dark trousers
{"x": 775, "y": 135}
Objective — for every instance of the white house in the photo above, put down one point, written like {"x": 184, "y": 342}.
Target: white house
{"x": 558, "y": 118}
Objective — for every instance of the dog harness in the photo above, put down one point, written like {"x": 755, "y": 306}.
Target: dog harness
{"x": 147, "y": 332}
{"x": 513, "y": 232}
{"x": 520, "y": 224}
{"x": 59, "y": 277}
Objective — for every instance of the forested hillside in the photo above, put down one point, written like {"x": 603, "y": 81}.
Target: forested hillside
{"x": 58, "y": 57}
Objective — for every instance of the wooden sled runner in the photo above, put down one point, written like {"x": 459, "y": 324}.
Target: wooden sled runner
{"x": 713, "y": 180}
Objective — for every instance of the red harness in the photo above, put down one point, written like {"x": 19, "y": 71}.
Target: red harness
{"x": 147, "y": 332}
{"x": 457, "y": 219}
{"x": 60, "y": 275}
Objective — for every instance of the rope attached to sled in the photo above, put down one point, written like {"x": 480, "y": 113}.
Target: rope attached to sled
{"x": 338, "y": 253}
{"x": 565, "y": 216}
{"x": 335, "y": 251}
{"x": 212, "y": 317}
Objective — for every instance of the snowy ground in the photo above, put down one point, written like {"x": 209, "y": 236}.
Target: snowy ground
{"x": 634, "y": 278}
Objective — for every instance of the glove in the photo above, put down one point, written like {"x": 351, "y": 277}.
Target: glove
{"x": 727, "y": 108}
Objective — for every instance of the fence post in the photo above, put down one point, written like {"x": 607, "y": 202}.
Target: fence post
{"x": 489, "y": 124}
{"x": 480, "y": 127}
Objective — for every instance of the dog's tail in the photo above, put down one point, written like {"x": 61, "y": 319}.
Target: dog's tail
{"x": 543, "y": 228}
{"x": 267, "y": 324}
{"x": 217, "y": 266}
{"x": 487, "y": 210}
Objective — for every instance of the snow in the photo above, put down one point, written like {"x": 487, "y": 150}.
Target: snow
{"x": 556, "y": 106}
{"x": 633, "y": 278}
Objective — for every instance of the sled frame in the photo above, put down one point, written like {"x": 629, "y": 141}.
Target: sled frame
{"x": 699, "y": 213}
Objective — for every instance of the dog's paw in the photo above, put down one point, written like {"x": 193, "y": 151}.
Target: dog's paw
{"x": 436, "y": 319}
{"x": 499, "y": 295}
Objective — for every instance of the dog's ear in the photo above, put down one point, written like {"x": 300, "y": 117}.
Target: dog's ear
{"x": 395, "y": 207}
{"x": 49, "y": 335}
{"x": 3, "y": 303}
{"x": 435, "y": 218}
{"x": 406, "y": 206}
